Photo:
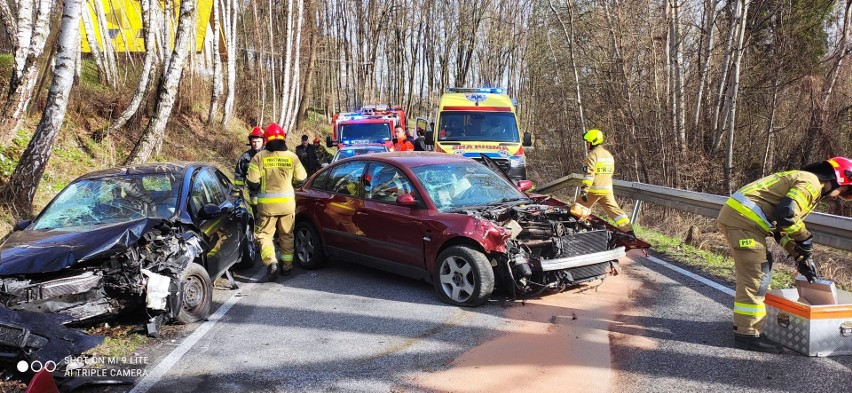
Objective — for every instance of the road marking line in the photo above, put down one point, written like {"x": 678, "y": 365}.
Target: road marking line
{"x": 171, "y": 359}
{"x": 709, "y": 283}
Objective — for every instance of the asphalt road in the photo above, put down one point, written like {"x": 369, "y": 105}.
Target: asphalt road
{"x": 350, "y": 328}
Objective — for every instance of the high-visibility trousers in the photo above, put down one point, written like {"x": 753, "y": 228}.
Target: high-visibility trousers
{"x": 264, "y": 233}
{"x": 754, "y": 272}
{"x": 610, "y": 207}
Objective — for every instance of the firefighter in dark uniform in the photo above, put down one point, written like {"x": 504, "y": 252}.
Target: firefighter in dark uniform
{"x": 775, "y": 206}
{"x": 255, "y": 139}
{"x": 272, "y": 173}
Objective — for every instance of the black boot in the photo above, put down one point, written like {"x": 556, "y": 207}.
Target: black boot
{"x": 272, "y": 272}
{"x": 757, "y": 343}
{"x": 631, "y": 235}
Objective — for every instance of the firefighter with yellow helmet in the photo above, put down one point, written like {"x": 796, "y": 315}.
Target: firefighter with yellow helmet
{"x": 775, "y": 206}
{"x": 272, "y": 173}
{"x": 597, "y": 181}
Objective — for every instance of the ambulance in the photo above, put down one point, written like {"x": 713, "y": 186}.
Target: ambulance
{"x": 472, "y": 122}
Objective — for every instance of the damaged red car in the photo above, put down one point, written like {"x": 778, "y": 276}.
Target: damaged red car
{"x": 144, "y": 239}
{"x": 451, "y": 221}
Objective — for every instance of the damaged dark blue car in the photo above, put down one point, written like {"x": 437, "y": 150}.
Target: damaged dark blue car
{"x": 144, "y": 239}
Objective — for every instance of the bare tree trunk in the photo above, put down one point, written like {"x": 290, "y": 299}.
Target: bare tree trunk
{"x": 816, "y": 126}
{"x": 707, "y": 35}
{"x": 734, "y": 91}
{"x": 217, "y": 66}
{"x": 25, "y": 35}
{"x": 770, "y": 128}
{"x": 106, "y": 41}
{"x": 147, "y": 68}
{"x": 723, "y": 81}
{"x": 23, "y": 80}
{"x": 167, "y": 91}
{"x": 9, "y": 23}
{"x": 676, "y": 52}
{"x": 285, "y": 89}
{"x": 95, "y": 47}
{"x": 308, "y": 88}
{"x": 230, "y": 23}
{"x": 570, "y": 38}
{"x": 22, "y": 185}
{"x": 295, "y": 90}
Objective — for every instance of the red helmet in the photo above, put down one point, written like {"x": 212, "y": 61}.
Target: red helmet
{"x": 273, "y": 132}
{"x": 842, "y": 170}
{"x": 256, "y": 132}
{"x": 316, "y": 140}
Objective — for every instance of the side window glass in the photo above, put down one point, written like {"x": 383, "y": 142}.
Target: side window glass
{"x": 321, "y": 180}
{"x": 223, "y": 180}
{"x": 345, "y": 179}
{"x": 199, "y": 196}
{"x": 384, "y": 183}
{"x": 214, "y": 188}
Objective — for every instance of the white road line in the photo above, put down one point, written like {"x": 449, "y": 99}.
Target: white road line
{"x": 171, "y": 359}
{"x": 693, "y": 276}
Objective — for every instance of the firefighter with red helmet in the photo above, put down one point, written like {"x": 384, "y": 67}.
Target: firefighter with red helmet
{"x": 272, "y": 173}
{"x": 598, "y": 169}
{"x": 775, "y": 206}
{"x": 255, "y": 142}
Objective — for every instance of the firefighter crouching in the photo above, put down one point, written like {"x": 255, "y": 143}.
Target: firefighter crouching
{"x": 255, "y": 139}
{"x": 775, "y": 206}
{"x": 597, "y": 182}
{"x": 272, "y": 173}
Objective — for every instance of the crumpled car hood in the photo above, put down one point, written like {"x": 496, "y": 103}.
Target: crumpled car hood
{"x": 47, "y": 251}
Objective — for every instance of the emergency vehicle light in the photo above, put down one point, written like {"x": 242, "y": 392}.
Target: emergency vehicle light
{"x": 492, "y": 90}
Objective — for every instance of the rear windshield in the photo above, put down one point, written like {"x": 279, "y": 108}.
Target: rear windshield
{"x": 364, "y": 133}
{"x": 478, "y": 126}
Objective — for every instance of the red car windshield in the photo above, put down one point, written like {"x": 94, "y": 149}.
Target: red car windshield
{"x": 458, "y": 185}
{"x": 359, "y": 133}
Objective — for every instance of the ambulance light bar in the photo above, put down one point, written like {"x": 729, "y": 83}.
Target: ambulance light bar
{"x": 493, "y": 90}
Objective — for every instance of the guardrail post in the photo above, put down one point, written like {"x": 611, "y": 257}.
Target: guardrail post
{"x": 576, "y": 193}
{"x": 636, "y": 206}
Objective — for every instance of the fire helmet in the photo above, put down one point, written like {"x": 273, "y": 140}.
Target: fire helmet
{"x": 594, "y": 136}
{"x": 256, "y": 132}
{"x": 842, "y": 167}
{"x": 273, "y": 132}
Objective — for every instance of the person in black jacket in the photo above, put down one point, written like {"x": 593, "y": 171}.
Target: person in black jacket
{"x": 308, "y": 156}
{"x": 255, "y": 139}
{"x": 418, "y": 141}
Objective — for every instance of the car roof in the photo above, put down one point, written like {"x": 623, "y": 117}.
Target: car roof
{"x": 413, "y": 159}
{"x": 174, "y": 168}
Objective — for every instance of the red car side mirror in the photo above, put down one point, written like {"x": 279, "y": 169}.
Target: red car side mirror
{"x": 406, "y": 200}
{"x": 525, "y": 185}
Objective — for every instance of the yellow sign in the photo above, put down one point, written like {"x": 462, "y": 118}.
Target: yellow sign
{"x": 277, "y": 162}
{"x": 124, "y": 24}
{"x": 747, "y": 243}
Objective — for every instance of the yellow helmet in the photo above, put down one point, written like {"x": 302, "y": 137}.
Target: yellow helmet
{"x": 594, "y": 136}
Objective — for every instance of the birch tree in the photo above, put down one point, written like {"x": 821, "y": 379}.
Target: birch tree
{"x": 154, "y": 133}
{"x": 217, "y": 66}
{"x": 229, "y": 11}
{"x": 20, "y": 190}
{"x": 146, "y": 78}
{"x": 25, "y": 74}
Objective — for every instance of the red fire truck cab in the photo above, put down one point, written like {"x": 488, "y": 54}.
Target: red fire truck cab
{"x": 370, "y": 124}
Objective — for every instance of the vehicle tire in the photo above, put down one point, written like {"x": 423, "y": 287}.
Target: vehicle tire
{"x": 197, "y": 294}
{"x": 248, "y": 249}
{"x": 309, "y": 251}
{"x": 463, "y": 277}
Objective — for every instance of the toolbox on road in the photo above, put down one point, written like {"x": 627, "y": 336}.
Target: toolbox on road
{"x": 813, "y": 330}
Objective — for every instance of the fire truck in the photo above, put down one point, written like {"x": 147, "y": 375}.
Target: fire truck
{"x": 370, "y": 124}
{"x": 477, "y": 121}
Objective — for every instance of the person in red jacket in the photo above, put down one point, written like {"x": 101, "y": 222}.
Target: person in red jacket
{"x": 402, "y": 143}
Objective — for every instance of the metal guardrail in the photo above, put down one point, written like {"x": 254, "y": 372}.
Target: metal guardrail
{"x": 828, "y": 229}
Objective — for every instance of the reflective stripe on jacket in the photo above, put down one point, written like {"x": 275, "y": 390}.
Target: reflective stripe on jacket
{"x": 275, "y": 171}
{"x": 755, "y": 203}
{"x": 598, "y": 169}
